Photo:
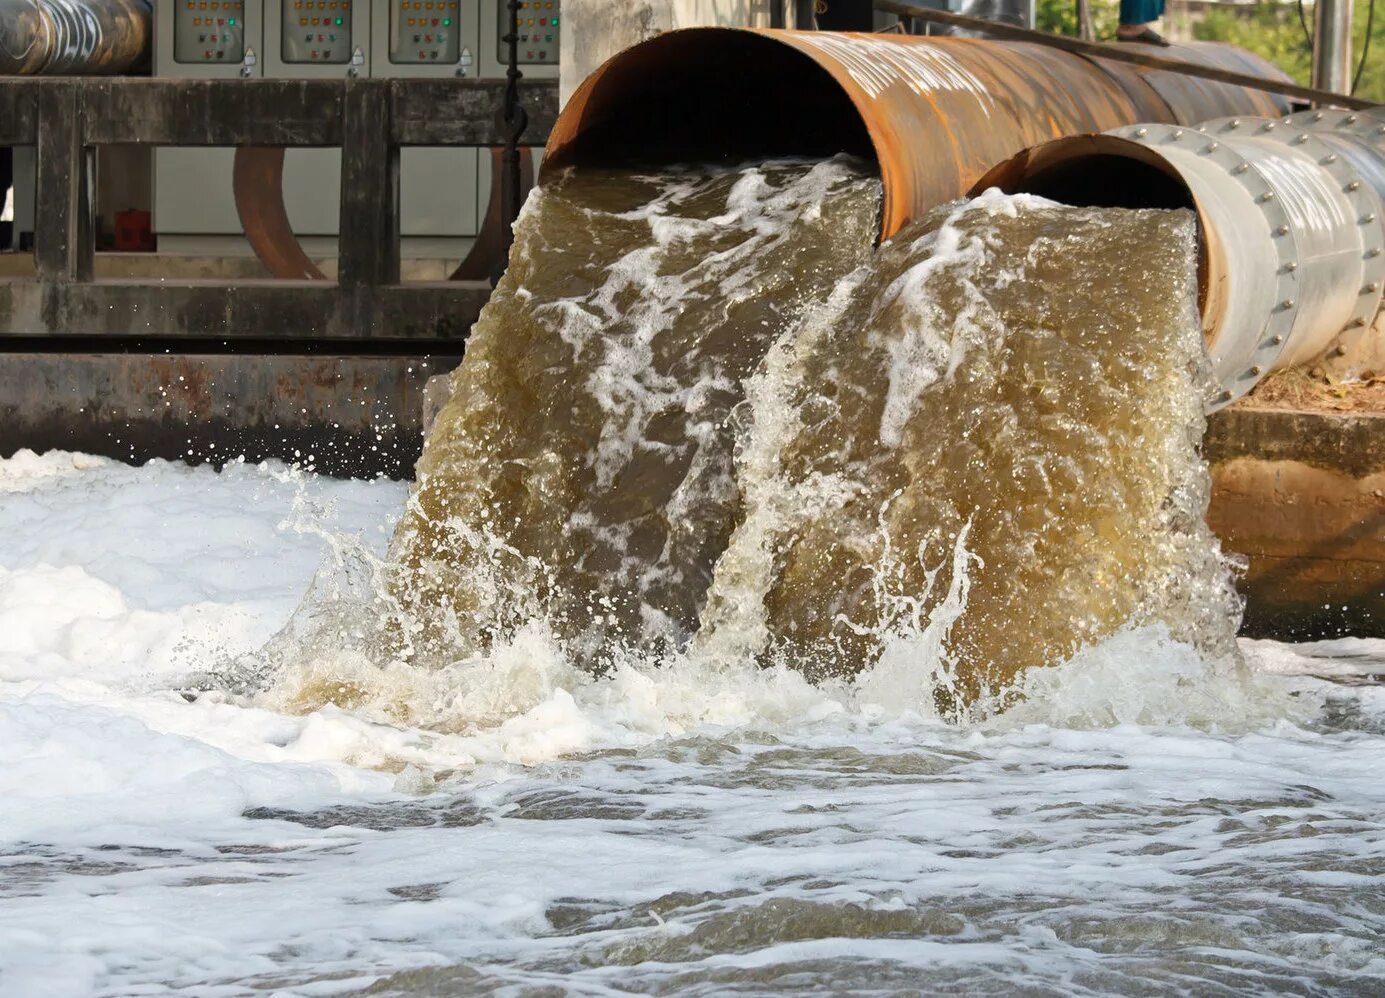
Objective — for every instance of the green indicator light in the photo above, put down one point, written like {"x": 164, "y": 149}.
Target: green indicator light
{"x": 338, "y": 21}
{"x": 447, "y": 22}
{"x": 231, "y": 22}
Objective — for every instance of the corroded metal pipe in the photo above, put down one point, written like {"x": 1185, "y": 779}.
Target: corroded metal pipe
{"x": 934, "y": 113}
{"x": 73, "y": 37}
{"x": 1290, "y": 213}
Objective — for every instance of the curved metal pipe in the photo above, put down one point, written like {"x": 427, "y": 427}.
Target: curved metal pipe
{"x": 1290, "y": 213}
{"x": 257, "y": 183}
{"x": 73, "y": 37}
{"x": 934, "y": 113}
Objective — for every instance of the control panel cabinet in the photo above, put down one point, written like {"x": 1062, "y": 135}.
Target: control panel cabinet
{"x": 315, "y": 33}
{"x": 202, "y": 39}
{"x": 209, "y": 32}
{"x": 431, "y": 38}
{"x": 540, "y": 22}
{"x": 208, "y": 39}
{"x": 443, "y": 192}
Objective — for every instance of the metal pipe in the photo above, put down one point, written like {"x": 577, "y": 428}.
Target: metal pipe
{"x": 1292, "y": 238}
{"x": 934, "y": 113}
{"x": 73, "y": 37}
{"x": 1332, "y": 46}
{"x": 1151, "y": 56}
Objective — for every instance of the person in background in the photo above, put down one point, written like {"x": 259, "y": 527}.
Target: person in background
{"x": 1137, "y": 19}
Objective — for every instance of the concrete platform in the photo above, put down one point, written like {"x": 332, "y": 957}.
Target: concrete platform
{"x": 1301, "y": 496}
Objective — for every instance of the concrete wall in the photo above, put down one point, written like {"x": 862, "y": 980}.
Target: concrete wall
{"x": 595, "y": 30}
{"x": 1300, "y": 496}
{"x": 343, "y": 416}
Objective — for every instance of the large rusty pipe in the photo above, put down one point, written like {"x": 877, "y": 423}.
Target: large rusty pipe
{"x": 1290, "y": 214}
{"x": 934, "y": 113}
{"x": 73, "y": 37}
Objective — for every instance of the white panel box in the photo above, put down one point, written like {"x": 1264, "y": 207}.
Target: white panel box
{"x": 443, "y": 192}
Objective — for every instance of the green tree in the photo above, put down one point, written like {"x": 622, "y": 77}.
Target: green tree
{"x": 1269, "y": 28}
{"x": 1061, "y": 16}
{"x": 1273, "y": 30}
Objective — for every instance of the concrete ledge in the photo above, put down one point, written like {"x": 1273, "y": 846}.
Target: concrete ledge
{"x": 345, "y": 416}
{"x": 1301, "y": 496}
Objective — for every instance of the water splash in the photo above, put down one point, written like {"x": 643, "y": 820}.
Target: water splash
{"x": 708, "y": 464}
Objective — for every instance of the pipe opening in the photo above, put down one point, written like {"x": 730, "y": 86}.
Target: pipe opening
{"x": 1104, "y": 180}
{"x": 707, "y": 95}
{"x": 1102, "y": 171}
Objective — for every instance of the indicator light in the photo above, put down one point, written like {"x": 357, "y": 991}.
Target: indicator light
{"x": 447, "y": 22}
{"x": 339, "y": 21}
{"x": 231, "y": 21}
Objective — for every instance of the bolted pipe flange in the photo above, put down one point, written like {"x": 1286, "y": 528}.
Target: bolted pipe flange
{"x": 1363, "y": 199}
{"x": 1231, "y": 149}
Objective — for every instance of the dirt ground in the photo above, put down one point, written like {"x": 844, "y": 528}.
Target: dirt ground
{"x": 1316, "y": 390}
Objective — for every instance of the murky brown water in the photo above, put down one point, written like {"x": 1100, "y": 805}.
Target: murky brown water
{"x": 583, "y": 469}
{"x": 995, "y": 429}
{"x": 984, "y": 434}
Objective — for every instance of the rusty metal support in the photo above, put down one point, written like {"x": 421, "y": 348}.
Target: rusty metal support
{"x": 513, "y": 120}
{"x": 491, "y": 248}
{"x": 74, "y": 37}
{"x": 257, "y": 181}
{"x": 1289, "y": 212}
{"x": 934, "y": 113}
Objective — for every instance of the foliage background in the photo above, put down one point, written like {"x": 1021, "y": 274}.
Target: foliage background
{"x": 1267, "y": 27}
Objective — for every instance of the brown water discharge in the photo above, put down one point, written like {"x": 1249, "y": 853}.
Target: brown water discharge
{"x": 989, "y": 438}
{"x": 583, "y": 469}
{"x": 699, "y": 404}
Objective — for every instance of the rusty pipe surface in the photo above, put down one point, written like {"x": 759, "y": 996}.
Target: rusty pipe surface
{"x": 1290, "y": 216}
{"x": 73, "y": 37}
{"x": 934, "y": 113}
{"x": 257, "y": 183}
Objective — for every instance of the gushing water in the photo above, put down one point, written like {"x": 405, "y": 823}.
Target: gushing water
{"x": 771, "y": 615}
{"x": 582, "y": 471}
{"x": 699, "y": 405}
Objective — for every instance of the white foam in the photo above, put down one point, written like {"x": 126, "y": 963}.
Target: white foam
{"x": 1100, "y": 831}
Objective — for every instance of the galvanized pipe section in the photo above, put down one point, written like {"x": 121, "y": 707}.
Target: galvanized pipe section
{"x": 1290, "y": 212}
{"x": 1332, "y": 45}
{"x": 73, "y": 37}
{"x": 934, "y": 113}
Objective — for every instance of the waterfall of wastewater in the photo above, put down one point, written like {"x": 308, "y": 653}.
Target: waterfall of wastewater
{"x": 702, "y": 419}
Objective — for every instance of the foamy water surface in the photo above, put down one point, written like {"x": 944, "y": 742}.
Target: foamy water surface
{"x": 1144, "y": 823}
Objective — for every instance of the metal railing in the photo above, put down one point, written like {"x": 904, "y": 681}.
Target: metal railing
{"x": 370, "y": 120}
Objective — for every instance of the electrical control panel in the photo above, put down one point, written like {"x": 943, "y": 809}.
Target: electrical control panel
{"x": 443, "y": 192}
{"x": 315, "y": 31}
{"x": 425, "y": 32}
{"x": 209, "y": 31}
{"x": 539, "y": 24}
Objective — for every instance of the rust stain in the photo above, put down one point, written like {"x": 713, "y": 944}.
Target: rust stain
{"x": 939, "y": 112}
{"x": 257, "y": 181}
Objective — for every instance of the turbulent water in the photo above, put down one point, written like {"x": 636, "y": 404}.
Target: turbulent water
{"x": 582, "y": 471}
{"x": 771, "y": 616}
{"x": 989, "y": 442}
{"x": 699, "y": 404}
